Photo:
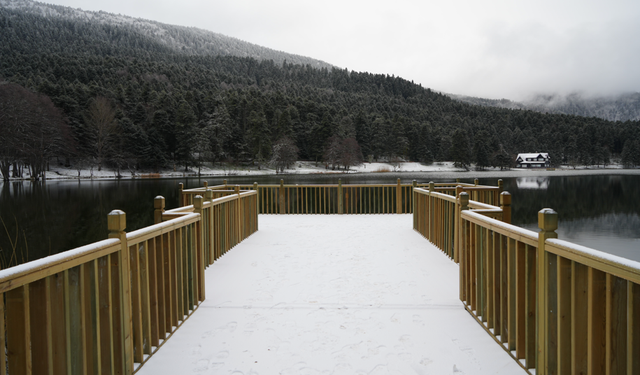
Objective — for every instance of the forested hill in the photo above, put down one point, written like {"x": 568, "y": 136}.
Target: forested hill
{"x": 179, "y": 39}
{"x": 131, "y": 101}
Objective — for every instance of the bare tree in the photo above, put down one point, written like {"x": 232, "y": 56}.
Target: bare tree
{"x": 285, "y": 153}
{"x": 33, "y": 130}
{"x": 351, "y": 153}
{"x": 101, "y": 119}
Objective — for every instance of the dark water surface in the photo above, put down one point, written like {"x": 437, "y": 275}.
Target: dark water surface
{"x": 39, "y": 219}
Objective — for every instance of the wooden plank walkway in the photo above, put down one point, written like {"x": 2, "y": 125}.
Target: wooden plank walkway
{"x": 329, "y": 294}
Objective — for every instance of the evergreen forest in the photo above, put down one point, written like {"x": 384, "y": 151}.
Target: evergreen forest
{"x": 91, "y": 94}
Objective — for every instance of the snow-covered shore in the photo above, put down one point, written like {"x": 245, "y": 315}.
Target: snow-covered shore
{"x": 439, "y": 169}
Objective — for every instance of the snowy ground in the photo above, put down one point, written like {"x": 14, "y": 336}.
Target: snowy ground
{"x": 438, "y": 169}
{"x": 332, "y": 294}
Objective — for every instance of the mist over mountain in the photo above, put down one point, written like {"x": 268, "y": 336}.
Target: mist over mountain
{"x": 178, "y": 39}
{"x": 622, "y": 107}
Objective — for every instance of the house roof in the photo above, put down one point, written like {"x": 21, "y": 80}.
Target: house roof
{"x": 533, "y": 155}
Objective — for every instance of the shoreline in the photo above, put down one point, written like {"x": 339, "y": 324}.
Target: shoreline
{"x": 441, "y": 170}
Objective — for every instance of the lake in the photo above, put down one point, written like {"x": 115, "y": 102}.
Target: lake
{"x": 39, "y": 219}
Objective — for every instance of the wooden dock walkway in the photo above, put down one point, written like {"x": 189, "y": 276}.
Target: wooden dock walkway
{"x": 332, "y": 294}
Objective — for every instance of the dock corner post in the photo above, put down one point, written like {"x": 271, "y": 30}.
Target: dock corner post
{"x": 505, "y": 205}
{"x": 208, "y": 195}
{"x": 198, "y": 204}
{"x": 548, "y": 223}
{"x": 458, "y": 230}
{"x": 414, "y": 185}
{"x": 224, "y": 182}
{"x": 181, "y": 195}
{"x": 158, "y": 205}
{"x": 476, "y": 181}
{"x": 281, "y": 205}
{"x": 500, "y": 190}
{"x": 205, "y": 184}
{"x": 340, "y": 197}
{"x": 398, "y": 198}
{"x": 432, "y": 186}
{"x": 117, "y": 222}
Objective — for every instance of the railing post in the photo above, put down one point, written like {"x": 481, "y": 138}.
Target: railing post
{"x": 462, "y": 201}
{"x": 158, "y": 205}
{"x": 432, "y": 188}
{"x": 548, "y": 223}
{"x": 460, "y": 253}
{"x": 123, "y": 350}
{"x": 476, "y": 182}
{"x": 340, "y": 203}
{"x": 414, "y": 185}
{"x": 281, "y": 205}
{"x": 208, "y": 196}
{"x": 505, "y": 205}
{"x": 180, "y": 195}
{"x": 500, "y": 190}
{"x": 224, "y": 182}
{"x": 255, "y": 187}
{"x": 198, "y": 203}
{"x": 398, "y": 198}
{"x": 205, "y": 184}
{"x": 238, "y": 212}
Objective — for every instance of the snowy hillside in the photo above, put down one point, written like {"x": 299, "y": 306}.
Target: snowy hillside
{"x": 186, "y": 40}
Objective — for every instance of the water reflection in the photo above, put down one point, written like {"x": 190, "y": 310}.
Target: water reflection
{"x": 532, "y": 182}
{"x": 45, "y": 218}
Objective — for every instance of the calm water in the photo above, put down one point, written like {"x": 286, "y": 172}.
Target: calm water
{"x": 41, "y": 219}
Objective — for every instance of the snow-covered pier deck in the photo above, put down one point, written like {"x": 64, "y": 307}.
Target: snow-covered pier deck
{"x": 332, "y": 294}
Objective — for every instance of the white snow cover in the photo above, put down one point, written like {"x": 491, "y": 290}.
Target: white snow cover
{"x": 332, "y": 294}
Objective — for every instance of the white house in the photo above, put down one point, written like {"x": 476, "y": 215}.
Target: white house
{"x": 533, "y": 160}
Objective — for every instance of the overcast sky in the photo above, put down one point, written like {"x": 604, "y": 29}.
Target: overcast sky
{"x": 492, "y": 48}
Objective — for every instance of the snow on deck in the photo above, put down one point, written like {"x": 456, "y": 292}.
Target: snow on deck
{"x": 330, "y": 294}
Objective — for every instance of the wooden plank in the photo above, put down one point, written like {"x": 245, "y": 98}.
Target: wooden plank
{"x": 136, "y": 304}
{"x": 530, "y": 306}
{"x": 564, "y": 316}
{"x": 18, "y": 331}
{"x": 512, "y": 306}
{"x": 40, "y": 314}
{"x": 633, "y": 338}
{"x": 596, "y": 317}
{"x": 496, "y": 247}
{"x": 154, "y": 306}
{"x": 105, "y": 324}
{"x": 616, "y": 330}
{"x": 58, "y": 324}
{"x": 145, "y": 298}
{"x": 579, "y": 322}
{"x": 552, "y": 294}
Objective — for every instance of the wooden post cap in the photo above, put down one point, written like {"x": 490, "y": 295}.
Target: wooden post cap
{"x": 208, "y": 195}
{"x": 237, "y": 189}
{"x": 432, "y": 186}
{"x": 547, "y": 220}
{"x": 197, "y": 202}
{"x": 414, "y": 183}
{"x": 224, "y": 182}
{"x": 158, "y": 202}
{"x": 281, "y": 182}
{"x": 476, "y": 181}
{"x": 116, "y": 221}
{"x": 398, "y": 181}
{"x": 505, "y": 198}
{"x": 464, "y": 200}
{"x": 205, "y": 184}
{"x": 181, "y": 186}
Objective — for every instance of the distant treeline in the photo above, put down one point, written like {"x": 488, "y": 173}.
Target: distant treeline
{"x": 128, "y": 100}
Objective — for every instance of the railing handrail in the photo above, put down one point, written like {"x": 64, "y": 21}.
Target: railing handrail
{"x": 621, "y": 267}
{"x": 143, "y": 234}
{"x": 512, "y": 231}
{"x": 25, "y": 273}
{"x": 447, "y": 197}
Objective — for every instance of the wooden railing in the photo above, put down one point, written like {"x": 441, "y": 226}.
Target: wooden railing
{"x": 341, "y": 199}
{"x": 437, "y": 212}
{"x": 555, "y": 307}
{"x": 105, "y": 308}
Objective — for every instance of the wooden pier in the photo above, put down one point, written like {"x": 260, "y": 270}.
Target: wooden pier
{"x": 107, "y": 308}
